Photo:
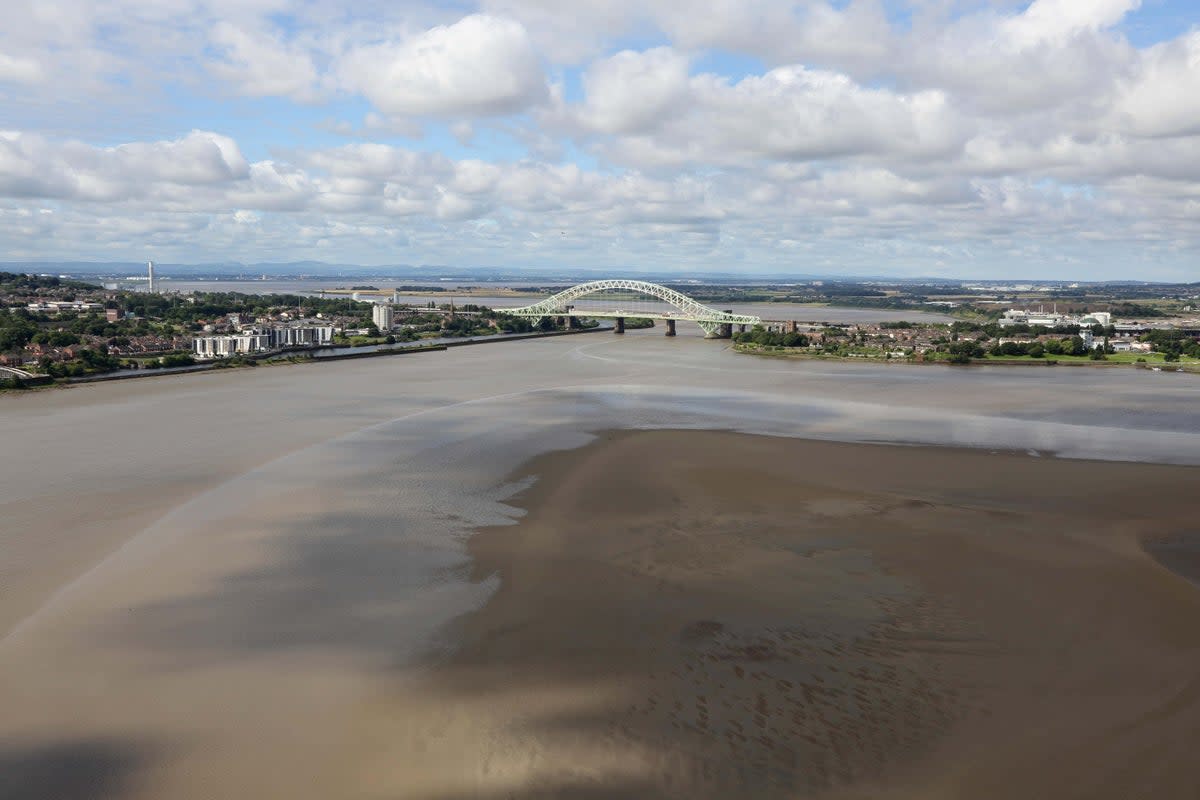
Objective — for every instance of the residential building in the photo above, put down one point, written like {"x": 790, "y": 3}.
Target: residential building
{"x": 56, "y": 306}
{"x": 382, "y": 315}
{"x": 1130, "y": 346}
{"x": 222, "y": 346}
{"x": 302, "y": 335}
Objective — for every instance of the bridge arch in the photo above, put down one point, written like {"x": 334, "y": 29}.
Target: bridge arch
{"x": 708, "y": 318}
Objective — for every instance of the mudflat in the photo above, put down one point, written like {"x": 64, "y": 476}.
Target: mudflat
{"x": 706, "y": 614}
{"x": 678, "y": 614}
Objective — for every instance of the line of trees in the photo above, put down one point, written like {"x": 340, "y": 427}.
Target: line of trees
{"x": 1173, "y": 344}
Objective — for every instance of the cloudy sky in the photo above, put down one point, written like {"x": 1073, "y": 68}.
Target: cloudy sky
{"x": 973, "y": 138}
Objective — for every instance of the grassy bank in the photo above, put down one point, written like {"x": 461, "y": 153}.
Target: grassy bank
{"x": 1137, "y": 360}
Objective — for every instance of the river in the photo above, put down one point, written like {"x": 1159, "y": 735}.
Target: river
{"x": 198, "y": 565}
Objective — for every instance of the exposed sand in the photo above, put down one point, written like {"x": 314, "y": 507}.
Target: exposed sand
{"x": 687, "y": 614}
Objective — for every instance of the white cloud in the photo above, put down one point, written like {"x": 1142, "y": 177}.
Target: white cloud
{"x": 19, "y": 70}
{"x": 852, "y": 35}
{"x": 481, "y": 65}
{"x": 790, "y": 112}
{"x": 632, "y": 92}
{"x": 32, "y": 166}
{"x": 1059, "y": 20}
{"x": 1162, "y": 97}
{"x": 260, "y": 65}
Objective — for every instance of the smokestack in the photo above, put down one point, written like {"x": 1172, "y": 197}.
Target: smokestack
{"x": 150, "y": 270}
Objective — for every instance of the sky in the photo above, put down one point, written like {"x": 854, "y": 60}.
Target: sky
{"x": 944, "y": 138}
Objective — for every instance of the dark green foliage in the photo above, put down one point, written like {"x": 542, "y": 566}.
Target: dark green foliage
{"x": 19, "y": 282}
{"x": 178, "y": 360}
{"x": 961, "y": 352}
{"x": 16, "y": 330}
{"x": 761, "y": 336}
{"x": 511, "y": 324}
{"x": 1173, "y": 344}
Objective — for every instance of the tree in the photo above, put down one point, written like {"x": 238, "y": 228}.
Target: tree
{"x": 961, "y": 352}
{"x": 1073, "y": 346}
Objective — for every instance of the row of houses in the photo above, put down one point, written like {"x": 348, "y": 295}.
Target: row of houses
{"x": 1118, "y": 345}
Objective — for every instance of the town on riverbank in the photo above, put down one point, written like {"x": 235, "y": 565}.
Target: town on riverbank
{"x": 1017, "y": 338}
{"x": 58, "y": 329}
{"x": 55, "y": 328}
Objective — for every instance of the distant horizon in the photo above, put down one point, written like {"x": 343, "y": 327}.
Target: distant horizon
{"x": 238, "y": 271}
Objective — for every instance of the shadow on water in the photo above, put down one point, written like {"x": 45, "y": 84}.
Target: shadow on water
{"x": 85, "y": 769}
{"x": 611, "y": 790}
{"x": 353, "y": 582}
{"x": 1179, "y": 553}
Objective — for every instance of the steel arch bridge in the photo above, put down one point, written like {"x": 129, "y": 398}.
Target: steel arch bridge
{"x": 713, "y": 322}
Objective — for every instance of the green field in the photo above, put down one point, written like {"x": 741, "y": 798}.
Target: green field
{"x": 1151, "y": 359}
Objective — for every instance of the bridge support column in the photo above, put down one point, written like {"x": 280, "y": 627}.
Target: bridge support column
{"x": 726, "y": 331}
{"x": 741, "y": 328}
{"x": 620, "y": 326}
{"x": 792, "y": 326}
{"x": 670, "y": 327}
{"x": 573, "y": 323}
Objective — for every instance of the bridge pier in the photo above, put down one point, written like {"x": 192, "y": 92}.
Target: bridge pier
{"x": 620, "y": 326}
{"x": 741, "y": 328}
{"x": 725, "y": 331}
{"x": 792, "y": 326}
{"x": 573, "y": 322}
{"x": 670, "y": 327}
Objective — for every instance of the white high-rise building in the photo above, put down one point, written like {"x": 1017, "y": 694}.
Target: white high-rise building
{"x": 150, "y": 274}
{"x": 302, "y": 335}
{"x": 382, "y": 315}
{"x": 221, "y": 346}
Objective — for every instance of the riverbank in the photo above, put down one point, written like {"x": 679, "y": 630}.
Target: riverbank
{"x": 306, "y": 357}
{"x": 1148, "y": 361}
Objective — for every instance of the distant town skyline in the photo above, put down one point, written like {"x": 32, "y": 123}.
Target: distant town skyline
{"x": 964, "y": 139}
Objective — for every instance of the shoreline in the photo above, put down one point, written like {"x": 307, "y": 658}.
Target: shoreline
{"x": 975, "y": 362}
{"x": 310, "y": 356}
